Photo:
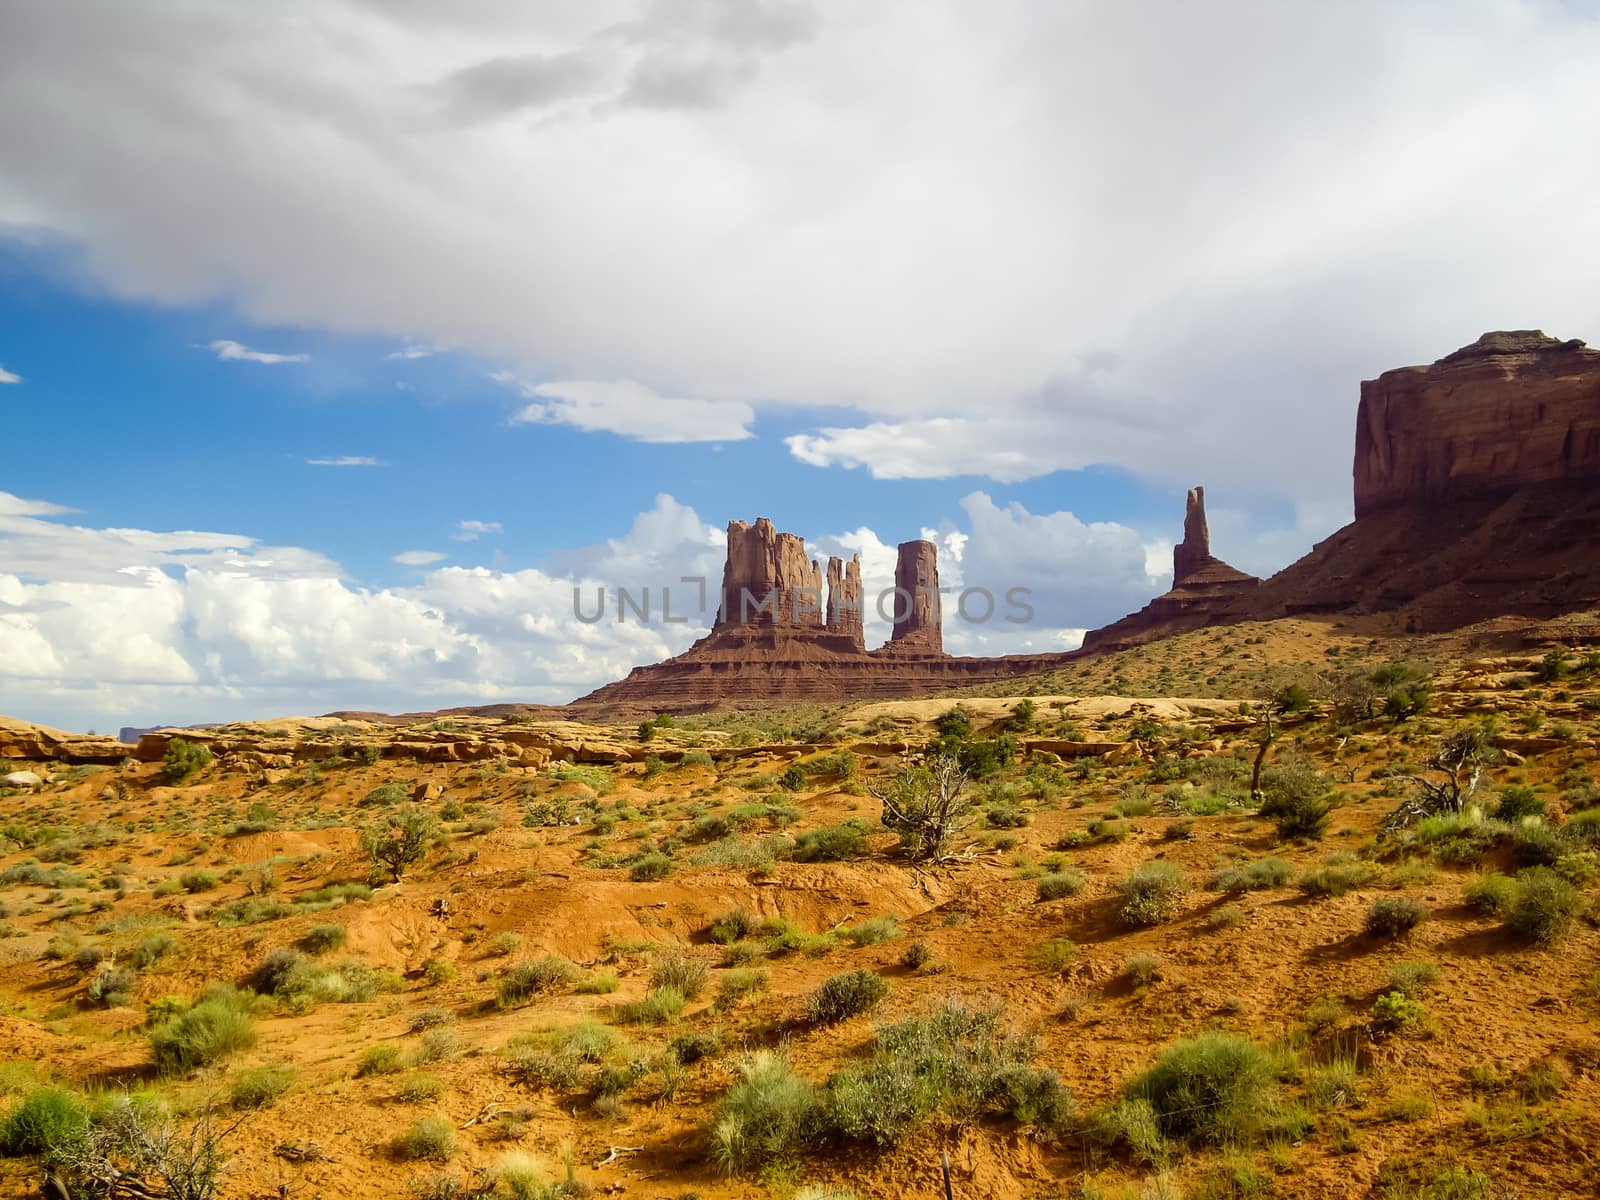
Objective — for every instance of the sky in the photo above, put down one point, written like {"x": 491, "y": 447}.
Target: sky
{"x": 340, "y": 342}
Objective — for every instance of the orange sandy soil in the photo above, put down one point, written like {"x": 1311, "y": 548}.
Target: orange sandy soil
{"x": 1497, "y": 1003}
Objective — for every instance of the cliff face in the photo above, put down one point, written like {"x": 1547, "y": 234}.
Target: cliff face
{"x": 1510, "y": 410}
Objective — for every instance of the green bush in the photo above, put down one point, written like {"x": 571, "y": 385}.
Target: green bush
{"x": 384, "y": 795}
{"x": 834, "y": 843}
{"x": 431, "y": 1138}
{"x": 182, "y": 759}
{"x": 1543, "y": 907}
{"x": 793, "y": 778}
{"x": 733, "y": 926}
{"x": 49, "y": 1123}
{"x": 650, "y": 868}
{"x": 874, "y": 930}
{"x": 1209, "y": 1088}
{"x": 764, "y": 1118}
{"x": 1261, "y": 875}
{"x": 1517, "y": 803}
{"x": 1152, "y": 893}
{"x": 1298, "y": 800}
{"x": 846, "y": 995}
{"x": 215, "y": 1027}
{"x": 385, "y": 1058}
{"x": 687, "y": 975}
{"x": 1491, "y": 893}
{"x": 320, "y": 939}
{"x": 1394, "y": 1011}
{"x": 400, "y": 839}
{"x": 256, "y": 1087}
{"x": 1334, "y": 878}
{"x": 528, "y": 979}
{"x": 1068, "y": 881}
{"x": 1393, "y": 917}
{"x": 197, "y": 881}
{"x": 658, "y": 1006}
{"x": 149, "y": 949}
{"x": 1411, "y": 979}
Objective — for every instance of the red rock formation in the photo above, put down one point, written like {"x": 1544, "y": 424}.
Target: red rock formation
{"x": 1510, "y": 410}
{"x": 917, "y": 611}
{"x": 767, "y": 579}
{"x": 844, "y": 600}
{"x": 1204, "y": 589}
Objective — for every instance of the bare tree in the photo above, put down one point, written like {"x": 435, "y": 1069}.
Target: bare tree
{"x": 927, "y": 806}
{"x": 136, "y": 1148}
{"x": 1450, "y": 779}
{"x": 1268, "y": 719}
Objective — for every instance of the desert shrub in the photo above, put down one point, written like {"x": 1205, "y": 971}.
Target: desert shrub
{"x": 436, "y": 1045}
{"x": 736, "y": 985}
{"x": 1335, "y": 878}
{"x": 1229, "y": 916}
{"x": 650, "y": 867}
{"x": 696, "y": 758}
{"x": 600, "y": 983}
{"x": 1517, "y": 803}
{"x": 687, "y": 975}
{"x": 431, "y": 1138}
{"x": 834, "y": 843}
{"x": 418, "y": 1087}
{"x": 182, "y": 759}
{"x": 384, "y": 795}
{"x": 840, "y": 764}
{"x": 916, "y": 955}
{"x": 1490, "y": 893}
{"x": 1393, "y": 917}
{"x": 215, "y": 1027}
{"x": 733, "y": 926}
{"x": 149, "y": 950}
{"x": 1544, "y": 906}
{"x": 957, "y": 1059}
{"x": 320, "y": 939}
{"x": 846, "y": 995}
{"x": 429, "y": 1018}
{"x": 49, "y": 1123}
{"x": 1068, "y": 881}
{"x": 1209, "y": 1088}
{"x": 1151, "y": 893}
{"x": 1004, "y": 816}
{"x": 383, "y": 1059}
{"x": 1141, "y": 970}
{"x": 658, "y": 1006}
{"x": 764, "y": 1118}
{"x": 793, "y": 778}
{"x": 1250, "y": 877}
{"x": 112, "y": 986}
{"x": 528, "y": 979}
{"x": 594, "y": 778}
{"x": 400, "y": 839}
{"x": 1535, "y": 844}
{"x": 197, "y": 881}
{"x": 1111, "y": 829}
{"x": 1394, "y": 1011}
{"x": 1412, "y": 979}
{"x": 1298, "y": 800}
{"x": 256, "y": 1087}
{"x": 874, "y": 930}
{"x": 1130, "y": 1123}
{"x": 273, "y": 972}
{"x": 503, "y": 944}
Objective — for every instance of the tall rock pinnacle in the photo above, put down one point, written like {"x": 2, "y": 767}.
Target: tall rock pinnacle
{"x": 844, "y": 600}
{"x": 767, "y": 579}
{"x": 917, "y": 609}
{"x": 1195, "y": 550}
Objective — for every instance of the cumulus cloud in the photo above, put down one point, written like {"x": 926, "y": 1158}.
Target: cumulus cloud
{"x": 624, "y": 407}
{"x": 106, "y": 626}
{"x": 419, "y": 558}
{"x": 9, "y": 376}
{"x": 347, "y": 460}
{"x": 471, "y": 531}
{"x": 1044, "y": 220}
{"x": 229, "y": 351}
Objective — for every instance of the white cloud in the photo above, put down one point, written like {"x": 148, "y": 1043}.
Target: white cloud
{"x": 103, "y": 627}
{"x": 471, "y": 531}
{"x": 9, "y": 376}
{"x": 229, "y": 351}
{"x": 347, "y": 460}
{"x": 408, "y": 353}
{"x": 963, "y": 263}
{"x": 624, "y": 407}
{"x": 419, "y": 558}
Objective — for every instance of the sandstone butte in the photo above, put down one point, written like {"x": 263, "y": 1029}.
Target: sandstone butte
{"x": 1475, "y": 498}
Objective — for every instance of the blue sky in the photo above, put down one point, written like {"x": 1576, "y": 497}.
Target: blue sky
{"x": 601, "y": 277}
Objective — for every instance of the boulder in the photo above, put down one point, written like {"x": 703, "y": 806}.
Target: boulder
{"x": 21, "y": 779}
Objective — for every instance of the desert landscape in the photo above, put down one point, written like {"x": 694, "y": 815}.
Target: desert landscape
{"x": 1275, "y": 888}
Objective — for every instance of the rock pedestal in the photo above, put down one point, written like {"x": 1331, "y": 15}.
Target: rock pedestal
{"x": 917, "y": 611}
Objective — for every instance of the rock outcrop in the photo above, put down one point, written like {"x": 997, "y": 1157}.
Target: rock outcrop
{"x": 917, "y": 611}
{"x": 765, "y": 660}
{"x": 1511, "y": 410}
{"x": 768, "y": 579}
{"x": 1475, "y": 492}
{"x": 1204, "y": 589}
